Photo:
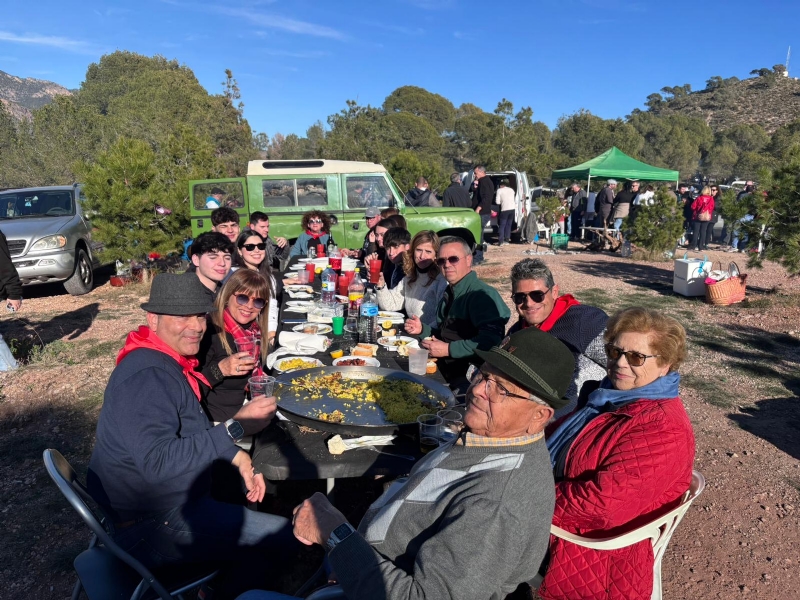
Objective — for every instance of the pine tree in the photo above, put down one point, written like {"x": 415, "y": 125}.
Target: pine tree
{"x": 656, "y": 228}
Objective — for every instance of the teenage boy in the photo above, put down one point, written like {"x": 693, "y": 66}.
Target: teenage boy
{"x": 211, "y": 256}
{"x": 396, "y": 242}
{"x": 226, "y": 221}
{"x": 277, "y": 249}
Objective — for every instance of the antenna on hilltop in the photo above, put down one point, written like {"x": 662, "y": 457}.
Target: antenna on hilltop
{"x": 788, "y": 55}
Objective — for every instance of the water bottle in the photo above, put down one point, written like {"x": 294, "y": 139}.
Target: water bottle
{"x": 329, "y": 285}
{"x": 355, "y": 294}
{"x": 368, "y": 325}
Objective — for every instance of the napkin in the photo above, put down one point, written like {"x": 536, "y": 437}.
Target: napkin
{"x": 337, "y": 445}
{"x": 297, "y": 342}
{"x": 301, "y": 295}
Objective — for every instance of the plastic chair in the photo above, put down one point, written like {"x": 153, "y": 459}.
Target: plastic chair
{"x": 658, "y": 531}
{"x": 105, "y": 571}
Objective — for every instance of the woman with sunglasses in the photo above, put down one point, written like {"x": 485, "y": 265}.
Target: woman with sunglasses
{"x": 621, "y": 460}
{"x": 240, "y": 314}
{"x": 251, "y": 253}
{"x": 316, "y": 230}
{"x": 420, "y": 291}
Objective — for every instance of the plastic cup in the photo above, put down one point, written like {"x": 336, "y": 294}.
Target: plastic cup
{"x": 452, "y": 423}
{"x": 338, "y": 325}
{"x": 262, "y": 385}
{"x": 375, "y": 270}
{"x": 310, "y": 266}
{"x": 429, "y": 432}
{"x": 302, "y": 276}
{"x": 417, "y": 361}
{"x": 336, "y": 263}
{"x": 249, "y": 345}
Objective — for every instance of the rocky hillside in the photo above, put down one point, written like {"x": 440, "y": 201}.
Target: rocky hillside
{"x": 20, "y": 96}
{"x": 770, "y": 101}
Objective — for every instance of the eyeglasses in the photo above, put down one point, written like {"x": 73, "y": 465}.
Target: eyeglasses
{"x": 450, "y": 259}
{"x": 251, "y": 247}
{"x": 476, "y": 376}
{"x": 537, "y": 296}
{"x": 311, "y": 221}
{"x": 635, "y": 359}
{"x": 244, "y": 299}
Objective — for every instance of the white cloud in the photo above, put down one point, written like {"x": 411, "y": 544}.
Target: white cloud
{"x": 61, "y": 43}
{"x": 266, "y": 20}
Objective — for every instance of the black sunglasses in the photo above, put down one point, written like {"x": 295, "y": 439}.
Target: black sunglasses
{"x": 450, "y": 259}
{"x": 251, "y": 247}
{"x": 635, "y": 359}
{"x": 243, "y": 299}
{"x": 315, "y": 220}
{"x": 537, "y": 296}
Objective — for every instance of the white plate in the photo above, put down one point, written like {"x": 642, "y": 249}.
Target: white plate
{"x": 322, "y": 329}
{"x": 303, "y": 260}
{"x": 297, "y": 267}
{"x": 308, "y": 359}
{"x": 387, "y": 342}
{"x": 300, "y": 287}
{"x": 300, "y": 295}
{"x": 368, "y": 361}
{"x": 299, "y": 303}
{"x": 387, "y": 315}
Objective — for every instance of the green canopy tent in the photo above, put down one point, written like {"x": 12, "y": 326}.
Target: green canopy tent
{"x": 614, "y": 163}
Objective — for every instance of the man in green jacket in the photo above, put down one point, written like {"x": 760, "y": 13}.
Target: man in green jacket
{"x": 471, "y": 315}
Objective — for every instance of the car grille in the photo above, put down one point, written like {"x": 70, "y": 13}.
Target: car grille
{"x": 16, "y": 247}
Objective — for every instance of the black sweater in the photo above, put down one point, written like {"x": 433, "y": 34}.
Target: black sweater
{"x": 10, "y": 285}
{"x": 154, "y": 445}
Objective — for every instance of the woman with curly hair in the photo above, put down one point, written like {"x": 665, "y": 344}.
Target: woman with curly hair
{"x": 316, "y": 229}
{"x": 420, "y": 291}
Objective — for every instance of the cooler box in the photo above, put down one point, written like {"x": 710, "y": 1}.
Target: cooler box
{"x": 690, "y": 276}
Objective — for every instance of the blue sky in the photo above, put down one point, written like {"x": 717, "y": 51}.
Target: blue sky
{"x": 299, "y": 61}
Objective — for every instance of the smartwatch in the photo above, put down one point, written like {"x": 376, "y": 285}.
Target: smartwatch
{"x": 235, "y": 430}
{"x": 338, "y": 535}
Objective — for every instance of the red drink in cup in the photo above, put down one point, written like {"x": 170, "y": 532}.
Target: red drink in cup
{"x": 310, "y": 268}
{"x": 336, "y": 263}
{"x": 375, "y": 270}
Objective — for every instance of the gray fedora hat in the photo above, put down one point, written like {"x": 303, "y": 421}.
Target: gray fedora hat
{"x": 178, "y": 295}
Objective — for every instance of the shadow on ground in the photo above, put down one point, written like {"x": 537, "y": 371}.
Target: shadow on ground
{"x": 776, "y": 421}
{"x": 69, "y": 324}
{"x": 48, "y": 290}
{"x": 647, "y": 276}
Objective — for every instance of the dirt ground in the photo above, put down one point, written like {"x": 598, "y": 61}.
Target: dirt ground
{"x": 740, "y": 386}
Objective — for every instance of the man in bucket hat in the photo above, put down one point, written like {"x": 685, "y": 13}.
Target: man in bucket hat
{"x": 472, "y": 520}
{"x": 151, "y": 464}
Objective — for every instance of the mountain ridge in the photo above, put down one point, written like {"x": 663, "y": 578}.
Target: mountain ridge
{"x": 23, "y": 95}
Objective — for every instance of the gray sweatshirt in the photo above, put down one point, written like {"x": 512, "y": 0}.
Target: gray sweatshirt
{"x": 469, "y": 523}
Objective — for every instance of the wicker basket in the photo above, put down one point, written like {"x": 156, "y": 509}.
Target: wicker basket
{"x": 728, "y": 291}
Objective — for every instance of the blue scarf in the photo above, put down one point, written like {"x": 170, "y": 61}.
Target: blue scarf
{"x": 606, "y": 399}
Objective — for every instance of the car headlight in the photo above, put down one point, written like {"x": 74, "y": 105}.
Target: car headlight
{"x": 51, "y": 242}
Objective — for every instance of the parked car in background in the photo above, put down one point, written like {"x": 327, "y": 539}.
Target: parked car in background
{"x": 286, "y": 189}
{"x": 49, "y": 236}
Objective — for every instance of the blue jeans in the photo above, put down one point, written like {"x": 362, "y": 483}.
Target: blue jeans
{"x": 485, "y": 218}
{"x": 504, "y": 221}
{"x": 617, "y": 224}
{"x": 256, "y": 546}
{"x": 735, "y": 238}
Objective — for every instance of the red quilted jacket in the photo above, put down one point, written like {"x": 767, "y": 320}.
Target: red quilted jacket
{"x": 621, "y": 471}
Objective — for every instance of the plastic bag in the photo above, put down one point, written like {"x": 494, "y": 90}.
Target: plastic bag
{"x": 7, "y": 360}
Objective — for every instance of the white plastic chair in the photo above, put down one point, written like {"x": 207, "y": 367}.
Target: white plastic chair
{"x": 658, "y": 531}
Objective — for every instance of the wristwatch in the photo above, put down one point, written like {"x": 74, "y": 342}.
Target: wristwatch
{"x": 338, "y": 535}
{"x": 235, "y": 430}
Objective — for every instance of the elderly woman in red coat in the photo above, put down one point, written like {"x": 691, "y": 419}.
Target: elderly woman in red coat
{"x": 621, "y": 460}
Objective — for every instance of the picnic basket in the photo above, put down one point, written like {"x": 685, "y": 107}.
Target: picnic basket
{"x": 728, "y": 291}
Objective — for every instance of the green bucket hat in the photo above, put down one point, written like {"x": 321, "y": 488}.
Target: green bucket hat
{"x": 537, "y": 362}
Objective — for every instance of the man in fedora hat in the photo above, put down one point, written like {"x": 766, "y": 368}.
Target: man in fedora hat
{"x": 151, "y": 465}
{"x": 472, "y": 520}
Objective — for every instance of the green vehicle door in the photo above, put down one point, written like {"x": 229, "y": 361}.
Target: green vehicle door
{"x": 364, "y": 190}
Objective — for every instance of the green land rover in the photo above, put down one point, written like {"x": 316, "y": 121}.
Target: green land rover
{"x": 285, "y": 189}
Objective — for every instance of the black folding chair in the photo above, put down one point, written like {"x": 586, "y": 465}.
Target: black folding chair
{"x": 105, "y": 571}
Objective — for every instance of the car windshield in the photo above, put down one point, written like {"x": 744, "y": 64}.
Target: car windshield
{"x": 20, "y": 205}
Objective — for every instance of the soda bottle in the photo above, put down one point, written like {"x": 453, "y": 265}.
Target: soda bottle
{"x": 355, "y": 294}
{"x": 329, "y": 285}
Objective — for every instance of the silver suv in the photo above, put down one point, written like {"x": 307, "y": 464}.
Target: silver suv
{"x": 49, "y": 236}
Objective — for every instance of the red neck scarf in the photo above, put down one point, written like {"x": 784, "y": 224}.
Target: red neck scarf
{"x": 145, "y": 338}
{"x": 240, "y": 334}
{"x": 560, "y": 307}
{"x": 316, "y": 236}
